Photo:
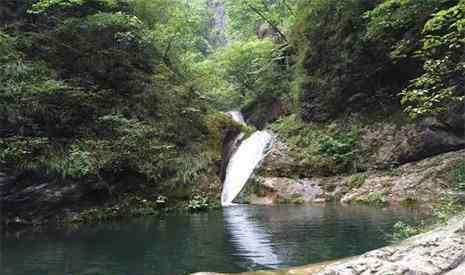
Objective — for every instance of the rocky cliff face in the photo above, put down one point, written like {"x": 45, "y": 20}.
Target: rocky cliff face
{"x": 33, "y": 202}
{"x": 402, "y": 161}
{"x": 217, "y": 23}
{"x": 393, "y": 144}
{"x": 11, "y": 10}
{"x": 419, "y": 182}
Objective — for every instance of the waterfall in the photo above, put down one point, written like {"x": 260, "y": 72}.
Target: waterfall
{"x": 243, "y": 162}
{"x": 237, "y": 117}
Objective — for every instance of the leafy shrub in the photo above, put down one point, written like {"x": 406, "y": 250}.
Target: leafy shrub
{"x": 294, "y": 199}
{"x": 63, "y": 6}
{"x": 320, "y": 149}
{"x": 457, "y": 176}
{"x": 444, "y": 65}
{"x": 132, "y": 206}
{"x": 355, "y": 55}
{"x": 396, "y": 25}
{"x": 404, "y": 231}
{"x": 198, "y": 203}
{"x": 76, "y": 163}
{"x": 22, "y": 153}
{"x": 356, "y": 181}
{"x": 339, "y": 147}
{"x": 377, "y": 198}
{"x": 237, "y": 71}
{"x": 446, "y": 208}
{"x": 443, "y": 211}
{"x": 336, "y": 69}
{"x": 425, "y": 36}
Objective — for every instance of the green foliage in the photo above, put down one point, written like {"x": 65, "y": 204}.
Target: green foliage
{"x": 338, "y": 147}
{"x": 247, "y": 15}
{"x": 395, "y": 25}
{"x": 457, "y": 176}
{"x": 177, "y": 28}
{"x": 235, "y": 71}
{"x": 357, "y": 56}
{"x": 336, "y": 70}
{"x": 44, "y": 5}
{"x": 404, "y": 231}
{"x": 103, "y": 50}
{"x": 58, "y": 6}
{"x": 443, "y": 211}
{"x": 198, "y": 203}
{"x": 356, "y": 181}
{"x": 131, "y": 206}
{"x": 447, "y": 208}
{"x": 96, "y": 92}
{"x": 320, "y": 149}
{"x": 428, "y": 32}
{"x": 377, "y": 198}
{"x": 444, "y": 65}
{"x": 294, "y": 199}
{"x": 22, "y": 151}
{"x": 7, "y": 51}
{"x": 77, "y": 163}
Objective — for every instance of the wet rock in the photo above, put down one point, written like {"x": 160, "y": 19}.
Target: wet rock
{"x": 387, "y": 145}
{"x": 291, "y": 190}
{"x": 417, "y": 182}
{"x": 33, "y": 202}
{"x": 263, "y": 111}
{"x": 441, "y": 251}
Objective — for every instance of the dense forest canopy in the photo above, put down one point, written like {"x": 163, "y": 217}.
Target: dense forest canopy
{"x": 98, "y": 90}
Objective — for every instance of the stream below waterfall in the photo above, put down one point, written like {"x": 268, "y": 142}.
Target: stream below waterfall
{"x": 234, "y": 239}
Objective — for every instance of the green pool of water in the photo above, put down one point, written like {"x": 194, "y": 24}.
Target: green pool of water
{"x": 235, "y": 239}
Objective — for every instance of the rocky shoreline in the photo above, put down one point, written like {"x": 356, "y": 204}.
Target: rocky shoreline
{"x": 411, "y": 184}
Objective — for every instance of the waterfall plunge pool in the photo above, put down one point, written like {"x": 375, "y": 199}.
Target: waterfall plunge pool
{"x": 235, "y": 239}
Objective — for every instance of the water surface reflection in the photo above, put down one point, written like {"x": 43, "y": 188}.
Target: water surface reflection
{"x": 233, "y": 240}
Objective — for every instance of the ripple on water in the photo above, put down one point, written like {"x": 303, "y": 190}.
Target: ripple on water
{"x": 239, "y": 238}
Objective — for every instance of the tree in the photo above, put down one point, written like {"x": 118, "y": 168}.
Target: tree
{"x": 178, "y": 28}
{"x": 247, "y": 15}
{"x": 238, "y": 69}
{"x": 443, "y": 52}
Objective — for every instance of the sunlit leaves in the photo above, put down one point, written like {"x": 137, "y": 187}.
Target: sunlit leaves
{"x": 43, "y": 5}
{"x": 177, "y": 27}
{"x": 234, "y": 72}
{"x": 246, "y": 16}
{"x": 443, "y": 49}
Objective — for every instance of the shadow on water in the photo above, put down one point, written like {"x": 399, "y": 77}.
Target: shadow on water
{"x": 237, "y": 239}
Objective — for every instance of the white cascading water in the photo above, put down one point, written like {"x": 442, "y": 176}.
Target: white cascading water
{"x": 237, "y": 117}
{"x": 243, "y": 162}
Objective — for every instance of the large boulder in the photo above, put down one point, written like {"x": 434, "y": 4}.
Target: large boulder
{"x": 439, "y": 252}
{"x": 264, "y": 110}
{"x": 392, "y": 144}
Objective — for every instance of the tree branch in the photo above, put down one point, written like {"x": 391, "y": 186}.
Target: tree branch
{"x": 272, "y": 24}
{"x": 289, "y": 8}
